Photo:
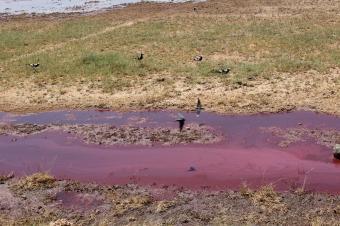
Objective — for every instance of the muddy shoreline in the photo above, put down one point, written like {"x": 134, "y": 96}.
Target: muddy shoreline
{"x": 41, "y": 198}
{"x": 61, "y": 15}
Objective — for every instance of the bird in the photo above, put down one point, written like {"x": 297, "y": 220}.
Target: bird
{"x": 140, "y": 56}
{"x": 199, "y": 107}
{"x": 181, "y": 121}
{"x": 34, "y": 66}
{"x": 198, "y": 58}
{"x": 222, "y": 70}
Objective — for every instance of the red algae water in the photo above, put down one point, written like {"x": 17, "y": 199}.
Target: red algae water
{"x": 247, "y": 154}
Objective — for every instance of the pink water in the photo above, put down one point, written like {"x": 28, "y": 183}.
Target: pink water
{"x": 247, "y": 155}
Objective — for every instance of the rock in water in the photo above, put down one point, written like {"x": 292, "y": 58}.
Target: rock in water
{"x": 191, "y": 169}
{"x": 336, "y": 151}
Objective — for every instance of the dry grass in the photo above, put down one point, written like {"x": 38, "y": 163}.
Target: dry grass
{"x": 61, "y": 222}
{"x": 134, "y": 205}
{"x": 41, "y": 180}
{"x": 268, "y": 199}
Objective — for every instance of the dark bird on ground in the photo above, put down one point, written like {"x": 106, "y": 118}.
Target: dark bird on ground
{"x": 140, "y": 56}
{"x": 195, "y": 9}
{"x": 198, "y": 58}
{"x": 199, "y": 107}
{"x": 181, "y": 121}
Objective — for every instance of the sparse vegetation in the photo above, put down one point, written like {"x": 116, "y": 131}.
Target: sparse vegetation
{"x": 41, "y": 180}
{"x": 134, "y": 205}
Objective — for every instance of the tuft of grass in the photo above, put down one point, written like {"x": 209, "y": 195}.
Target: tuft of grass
{"x": 41, "y": 180}
{"x": 164, "y": 205}
{"x": 61, "y": 222}
{"x": 106, "y": 64}
{"x": 265, "y": 197}
{"x": 123, "y": 202}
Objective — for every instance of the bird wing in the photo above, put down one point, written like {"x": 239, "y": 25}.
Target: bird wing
{"x": 180, "y": 116}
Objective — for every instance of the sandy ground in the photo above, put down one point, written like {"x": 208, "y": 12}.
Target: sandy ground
{"x": 304, "y": 91}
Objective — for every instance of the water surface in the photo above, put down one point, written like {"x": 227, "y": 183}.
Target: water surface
{"x": 246, "y": 154}
{"x": 62, "y": 6}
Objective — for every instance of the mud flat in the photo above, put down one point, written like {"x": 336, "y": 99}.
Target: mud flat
{"x": 146, "y": 148}
{"x": 111, "y": 135}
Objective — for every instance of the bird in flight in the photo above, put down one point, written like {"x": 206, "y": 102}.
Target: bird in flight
{"x": 199, "y": 107}
{"x": 181, "y": 121}
{"x": 198, "y": 58}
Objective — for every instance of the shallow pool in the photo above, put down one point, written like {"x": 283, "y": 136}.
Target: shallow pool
{"x": 247, "y": 154}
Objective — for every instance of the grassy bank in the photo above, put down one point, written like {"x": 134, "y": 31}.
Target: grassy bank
{"x": 261, "y": 42}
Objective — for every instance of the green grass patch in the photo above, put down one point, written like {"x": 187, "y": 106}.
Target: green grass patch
{"x": 253, "y": 48}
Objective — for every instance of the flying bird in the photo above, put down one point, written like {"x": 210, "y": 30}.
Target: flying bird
{"x": 181, "y": 121}
{"x": 199, "y": 107}
{"x": 198, "y": 58}
{"x": 140, "y": 56}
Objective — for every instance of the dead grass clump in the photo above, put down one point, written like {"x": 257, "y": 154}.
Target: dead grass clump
{"x": 124, "y": 203}
{"x": 267, "y": 198}
{"x": 36, "y": 181}
{"x": 61, "y": 222}
{"x": 164, "y": 205}
{"x": 246, "y": 191}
